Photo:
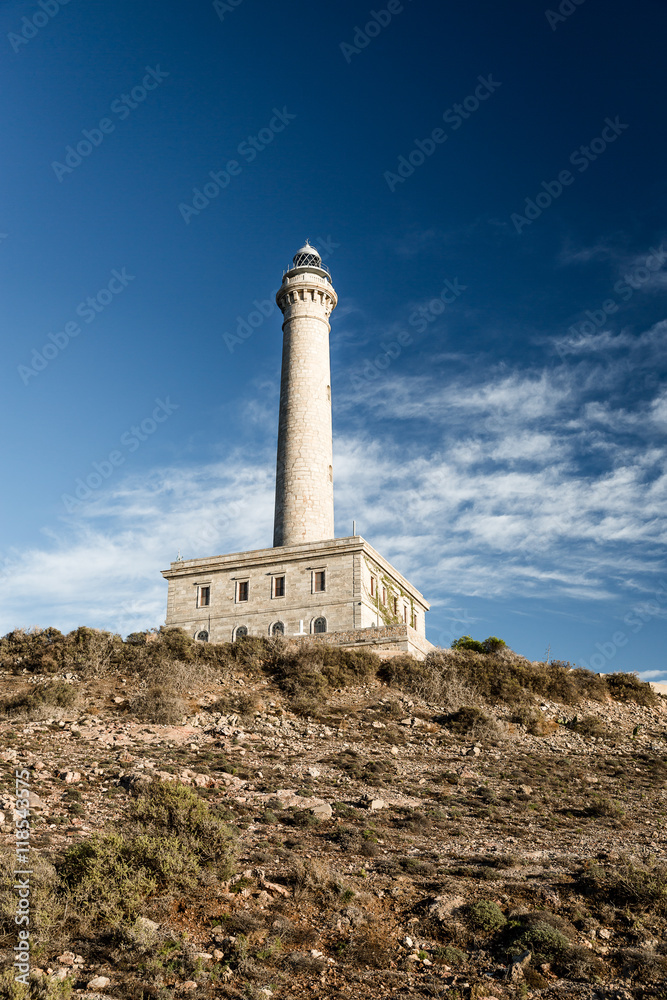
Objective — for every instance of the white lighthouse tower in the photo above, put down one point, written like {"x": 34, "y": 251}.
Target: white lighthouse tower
{"x": 304, "y": 509}
{"x": 310, "y": 585}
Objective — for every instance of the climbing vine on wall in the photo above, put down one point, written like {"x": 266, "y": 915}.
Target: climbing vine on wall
{"x": 394, "y": 591}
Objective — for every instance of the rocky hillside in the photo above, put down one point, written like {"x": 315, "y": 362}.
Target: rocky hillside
{"x": 265, "y": 820}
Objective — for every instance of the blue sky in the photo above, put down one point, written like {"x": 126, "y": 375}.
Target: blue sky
{"x": 486, "y": 182}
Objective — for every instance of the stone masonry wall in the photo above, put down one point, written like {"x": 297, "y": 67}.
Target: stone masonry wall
{"x": 387, "y": 641}
{"x": 262, "y": 610}
{"x": 304, "y": 509}
{"x": 345, "y": 604}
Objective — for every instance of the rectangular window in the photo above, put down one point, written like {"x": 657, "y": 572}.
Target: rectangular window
{"x": 405, "y": 613}
{"x": 396, "y": 607}
{"x": 279, "y": 586}
{"x": 373, "y": 586}
{"x": 242, "y": 587}
{"x": 384, "y": 595}
{"x": 203, "y": 597}
{"x": 414, "y": 621}
{"x": 319, "y": 581}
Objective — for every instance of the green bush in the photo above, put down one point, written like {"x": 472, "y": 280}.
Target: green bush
{"x": 103, "y": 882}
{"x": 467, "y": 642}
{"x": 167, "y": 807}
{"x": 493, "y": 644}
{"x": 545, "y": 941}
{"x": 490, "y": 645}
{"x": 169, "y": 836}
{"x": 486, "y": 916}
{"x": 450, "y": 955}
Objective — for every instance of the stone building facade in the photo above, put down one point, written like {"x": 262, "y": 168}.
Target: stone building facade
{"x": 309, "y": 584}
{"x": 317, "y": 588}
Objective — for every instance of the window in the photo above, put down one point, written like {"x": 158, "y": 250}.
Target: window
{"x": 414, "y": 620}
{"x": 319, "y": 581}
{"x": 319, "y": 625}
{"x": 405, "y": 613}
{"x": 239, "y": 632}
{"x": 202, "y": 636}
{"x": 384, "y": 595}
{"x": 373, "y": 586}
{"x": 279, "y": 586}
{"x": 203, "y": 597}
{"x": 278, "y": 628}
{"x": 242, "y": 587}
{"x": 396, "y": 607}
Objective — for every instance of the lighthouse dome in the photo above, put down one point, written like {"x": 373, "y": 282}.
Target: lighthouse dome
{"x": 307, "y": 256}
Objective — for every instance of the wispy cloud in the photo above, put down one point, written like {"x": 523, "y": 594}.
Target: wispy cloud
{"x": 529, "y": 483}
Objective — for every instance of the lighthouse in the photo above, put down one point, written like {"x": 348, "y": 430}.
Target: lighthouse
{"x": 310, "y": 585}
{"x": 304, "y": 510}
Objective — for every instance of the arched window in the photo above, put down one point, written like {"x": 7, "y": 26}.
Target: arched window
{"x": 278, "y": 628}
{"x": 240, "y": 631}
{"x": 320, "y": 625}
{"x": 202, "y": 636}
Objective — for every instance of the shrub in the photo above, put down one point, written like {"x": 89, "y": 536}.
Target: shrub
{"x": 628, "y": 687}
{"x": 103, "y": 882}
{"x": 422, "y": 678}
{"x": 48, "y": 651}
{"x": 604, "y": 807}
{"x": 167, "y": 859}
{"x": 38, "y": 700}
{"x": 645, "y": 966}
{"x": 159, "y": 705}
{"x": 588, "y": 725}
{"x": 536, "y": 723}
{"x": 627, "y": 884}
{"x": 470, "y": 720}
{"x": 493, "y": 644}
{"x": 44, "y": 989}
{"x": 486, "y": 916}
{"x": 545, "y": 941}
{"x": 503, "y": 676}
{"x": 449, "y": 955}
{"x": 490, "y": 645}
{"x": 167, "y": 807}
{"x": 45, "y": 906}
{"x": 307, "y": 673}
{"x": 467, "y": 642}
